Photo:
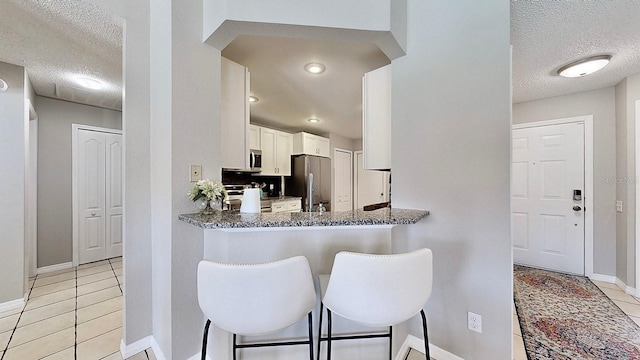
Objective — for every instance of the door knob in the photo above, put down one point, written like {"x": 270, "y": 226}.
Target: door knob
{"x": 577, "y": 208}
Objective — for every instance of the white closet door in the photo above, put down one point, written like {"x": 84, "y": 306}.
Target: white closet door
{"x": 113, "y": 195}
{"x": 91, "y": 196}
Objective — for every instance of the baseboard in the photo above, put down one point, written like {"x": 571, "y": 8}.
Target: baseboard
{"x": 52, "y": 268}
{"x": 604, "y": 278}
{"x": 141, "y": 345}
{"x": 11, "y": 305}
{"x": 412, "y": 342}
{"x": 616, "y": 281}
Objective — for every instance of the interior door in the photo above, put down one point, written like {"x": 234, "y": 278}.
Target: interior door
{"x": 113, "y": 195}
{"x": 99, "y": 195}
{"x": 547, "y": 204}
{"x": 372, "y": 186}
{"x": 91, "y": 196}
{"x": 343, "y": 172}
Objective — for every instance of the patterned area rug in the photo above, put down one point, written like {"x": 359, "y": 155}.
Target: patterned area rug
{"x": 566, "y": 317}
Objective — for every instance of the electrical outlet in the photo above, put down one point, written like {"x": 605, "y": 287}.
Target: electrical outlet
{"x": 474, "y": 322}
{"x": 195, "y": 173}
{"x": 619, "y": 206}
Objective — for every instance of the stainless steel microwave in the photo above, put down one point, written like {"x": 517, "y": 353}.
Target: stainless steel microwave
{"x": 255, "y": 160}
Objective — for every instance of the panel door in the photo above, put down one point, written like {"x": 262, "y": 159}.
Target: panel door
{"x": 113, "y": 195}
{"x": 370, "y": 184}
{"x": 91, "y": 196}
{"x": 548, "y": 222}
{"x": 343, "y": 170}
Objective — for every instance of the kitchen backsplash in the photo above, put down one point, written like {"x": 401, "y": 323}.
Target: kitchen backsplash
{"x": 273, "y": 183}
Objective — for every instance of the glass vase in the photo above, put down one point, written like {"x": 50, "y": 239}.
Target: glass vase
{"x": 204, "y": 206}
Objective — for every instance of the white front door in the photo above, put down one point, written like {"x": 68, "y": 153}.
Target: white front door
{"x": 99, "y": 195}
{"x": 343, "y": 171}
{"x": 547, "y": 183}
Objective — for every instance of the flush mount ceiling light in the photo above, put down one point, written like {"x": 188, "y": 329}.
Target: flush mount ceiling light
{"x": 314, "y": 68}
{"x": 313, "y": 120}
{"x": 89, "y": 83}
{"x": 3, "y": 86}
{"x": 253, "y": 99}
{"x": 585, "y": 66}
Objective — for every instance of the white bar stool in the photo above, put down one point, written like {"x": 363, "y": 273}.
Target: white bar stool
{"x": 377, "y": 291}
{"x": 256, "y": 299}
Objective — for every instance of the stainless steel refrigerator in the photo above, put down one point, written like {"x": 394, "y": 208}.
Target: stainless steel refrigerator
{"x": 310, "y": 179}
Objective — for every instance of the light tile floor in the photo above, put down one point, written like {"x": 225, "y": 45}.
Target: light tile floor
{"x": 70, "y": 314}
{"x": 629, "y": 304}
{"x": 77, "y": 314}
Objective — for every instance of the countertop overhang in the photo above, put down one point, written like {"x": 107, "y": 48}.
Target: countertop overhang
{"x": 234, "y": 220}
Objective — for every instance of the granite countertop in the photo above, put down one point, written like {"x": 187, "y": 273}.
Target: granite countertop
{"x": 234, "y": 220}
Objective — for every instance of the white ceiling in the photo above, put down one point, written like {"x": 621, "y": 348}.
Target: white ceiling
{"x": 549, "y": 34}
{"x": 289, "y": 95}
{"x": 58, "y": 39}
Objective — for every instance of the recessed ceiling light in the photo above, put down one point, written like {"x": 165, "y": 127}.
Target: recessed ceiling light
{"x": 3, "y": 85}
{"x": 585, "y": 66}
{"x": 89, "y": 83}
{"x": 314, "y": 68}
{"x": 253, "y": 99}
{"x": 313, "y": 120}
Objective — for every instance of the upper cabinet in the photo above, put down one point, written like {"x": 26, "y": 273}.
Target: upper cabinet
{"x": 254, "y": 137}
{"x": 234, "y": 112}
{"x": 309, "y": 144}
{"x": 276, "y": 149}
{"x": 376, "y": 119}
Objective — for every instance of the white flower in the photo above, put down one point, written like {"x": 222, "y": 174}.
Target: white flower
{"x": 209, "y": 189}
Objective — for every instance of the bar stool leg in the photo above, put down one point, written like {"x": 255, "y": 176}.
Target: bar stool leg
{"x": 320, "y": 329}
{"x": 235, "y": 349}
{"x": 426, "y": 336}
{"x": 310, "y": 321}
{"x": 204, "y": 339}
{"x": 328, "y": 334}
{"x": 390, "y": 341}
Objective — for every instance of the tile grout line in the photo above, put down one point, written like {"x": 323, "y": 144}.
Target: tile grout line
{"x": 116, "y": 276}
{"x": 6, "y": 349}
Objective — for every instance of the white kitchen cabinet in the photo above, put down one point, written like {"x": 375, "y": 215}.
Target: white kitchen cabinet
{"x": 276, "y": 149}
{"x": 371, "y": 187}
{"x": 254, "y": 137}
{"x": 376, "y": 119}
{"x": 234, "y": 113}
{"x": 310, "y": 144}
{"x": 286, "y": 206}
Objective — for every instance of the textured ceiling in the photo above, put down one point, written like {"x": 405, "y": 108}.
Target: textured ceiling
{"x": 56, "y": 40}
{"x": 549, "y": 34}
{"x": 289, "y": 95}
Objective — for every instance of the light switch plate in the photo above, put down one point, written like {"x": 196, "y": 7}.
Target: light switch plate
{"x": 195, "y": 173}
{"x": 619, "y": 206}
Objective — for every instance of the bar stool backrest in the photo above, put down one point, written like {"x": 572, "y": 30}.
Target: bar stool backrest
{"x": 379, "y": 290}
{"x": 253, "y": 299}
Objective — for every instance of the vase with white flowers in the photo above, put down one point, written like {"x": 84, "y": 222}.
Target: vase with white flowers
{"x": 208, "y": 195}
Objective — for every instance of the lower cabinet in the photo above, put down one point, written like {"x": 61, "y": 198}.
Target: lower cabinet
{"x": 286, "y": 206}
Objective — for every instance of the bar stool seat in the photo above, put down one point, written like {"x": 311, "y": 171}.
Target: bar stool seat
{"x": 256, "y": 299}
{"x": 376, "y": 291}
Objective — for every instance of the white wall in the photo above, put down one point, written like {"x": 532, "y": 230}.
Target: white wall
{"x": 627, "y": 92}
{"x": 55, "y": 117}
{"x": 13, "y": 159}
{"x": 601, "y": 104}
{"x": 451, "y": 155}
